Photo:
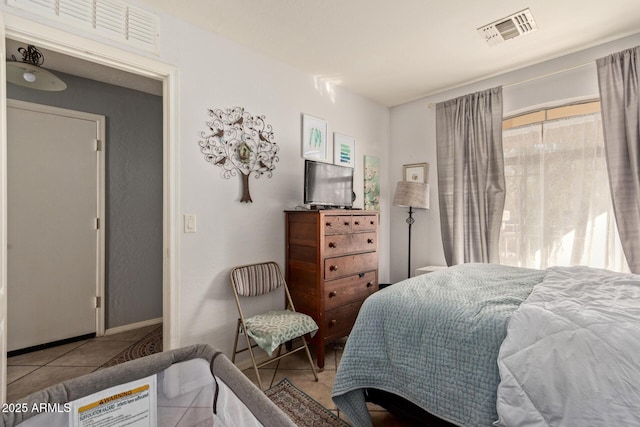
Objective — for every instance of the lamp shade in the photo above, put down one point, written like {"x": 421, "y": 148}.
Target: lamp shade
{"x": 412, "y": 194}
{"x": 32, "y": 76}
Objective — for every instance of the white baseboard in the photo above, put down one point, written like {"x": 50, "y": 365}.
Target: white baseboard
{"x": 131, "y": 326}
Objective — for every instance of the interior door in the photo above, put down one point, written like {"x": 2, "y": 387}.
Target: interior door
{"x": 53, "y": 203}
{"x": 3, "y": 219}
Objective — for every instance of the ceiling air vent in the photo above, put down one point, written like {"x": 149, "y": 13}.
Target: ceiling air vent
{"x": 508, "y": 28}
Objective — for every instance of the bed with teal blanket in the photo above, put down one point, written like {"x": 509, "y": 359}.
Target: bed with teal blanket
{"x": 433, "y": 340}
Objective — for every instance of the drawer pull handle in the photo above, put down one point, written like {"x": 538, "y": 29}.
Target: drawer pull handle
{"x": 333, "y": 294}
{"x": 328, "y": 224}
{"x": 332, "y": 245}
{"x": 372, "y": 222}
{"x": 333, "y": 268}
{"x": 370, "y": 241}
{"x": 346, "y": 223}
{"x": 357, "y": 222}
{"x": 332, "y": 322}
{"x": 369, "y": 284}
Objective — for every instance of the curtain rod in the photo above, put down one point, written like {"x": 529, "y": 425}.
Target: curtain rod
{"x": 542, "y": 76}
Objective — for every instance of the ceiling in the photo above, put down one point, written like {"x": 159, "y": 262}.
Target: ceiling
{"x": 397, "y": 51}
{"x": 390, "y": 51}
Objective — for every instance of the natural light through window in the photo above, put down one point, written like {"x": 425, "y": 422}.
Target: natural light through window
{"x": 558, "y": 207}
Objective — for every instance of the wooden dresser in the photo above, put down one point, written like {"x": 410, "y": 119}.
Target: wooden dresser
{"x": 331, "y": 267}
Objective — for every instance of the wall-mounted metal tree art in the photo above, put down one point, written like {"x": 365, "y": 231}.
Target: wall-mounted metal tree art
{"x": 240, "y": 144}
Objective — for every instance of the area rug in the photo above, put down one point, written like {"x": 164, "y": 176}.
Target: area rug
{"x": 301, "y": 408}
{"x": 150, "y": 344}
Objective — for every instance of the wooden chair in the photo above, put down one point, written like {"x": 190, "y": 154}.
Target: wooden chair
{"x": 272, "y": 329}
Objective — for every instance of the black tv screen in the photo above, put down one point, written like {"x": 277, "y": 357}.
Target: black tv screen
{"x": 327, "y": 185}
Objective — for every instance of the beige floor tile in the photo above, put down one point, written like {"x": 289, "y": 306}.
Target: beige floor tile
{"x": 42, "y": 357}
{"x": 16, "y": 372}
{"x": 93, "y": 353}
{"x": 266, "y": 375}
{"x": 42, "y": 378}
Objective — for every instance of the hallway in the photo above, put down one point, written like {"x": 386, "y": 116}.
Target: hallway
{"x": 30, "y": 372}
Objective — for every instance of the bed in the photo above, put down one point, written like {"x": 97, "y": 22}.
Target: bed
{"x": 485, "y": 344}
{"x": 190, "y": 386}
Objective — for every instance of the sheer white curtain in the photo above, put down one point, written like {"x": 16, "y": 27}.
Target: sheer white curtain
{"x": 558, "y": 207}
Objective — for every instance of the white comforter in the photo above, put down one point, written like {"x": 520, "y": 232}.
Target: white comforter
{"x": 572, "y": 352}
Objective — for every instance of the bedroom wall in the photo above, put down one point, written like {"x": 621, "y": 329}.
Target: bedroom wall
{"x": 217, "y": 73}
{"x": 570, "y": 77}
{"x": 133, "y": 190}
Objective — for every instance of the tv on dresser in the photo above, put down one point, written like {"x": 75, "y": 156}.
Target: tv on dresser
{"x": 327, "y": 185}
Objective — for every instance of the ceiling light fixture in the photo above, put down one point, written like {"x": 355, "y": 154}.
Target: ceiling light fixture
{"x": 28, "y": 72}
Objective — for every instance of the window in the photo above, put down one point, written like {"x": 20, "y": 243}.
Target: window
{"x": 558, "y": 207}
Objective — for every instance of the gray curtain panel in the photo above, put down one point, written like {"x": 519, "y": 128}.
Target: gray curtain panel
{"x": 620, "y": 99}
{"x": 471, "y": 184}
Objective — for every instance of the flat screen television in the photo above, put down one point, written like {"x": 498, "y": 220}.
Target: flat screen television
{"x": 327, "y": 186}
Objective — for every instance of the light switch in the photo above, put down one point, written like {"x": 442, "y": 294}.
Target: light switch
{"x": 189, "y": 223}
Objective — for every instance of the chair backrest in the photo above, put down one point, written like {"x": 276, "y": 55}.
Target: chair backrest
{"x": 256, "y": 279}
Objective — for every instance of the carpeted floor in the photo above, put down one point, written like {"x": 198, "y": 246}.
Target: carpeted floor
{"x": 150, "y": 344}
{"x": 301, "y": 408}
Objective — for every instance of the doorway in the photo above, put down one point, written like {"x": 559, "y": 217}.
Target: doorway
{"x": 55, "y": 258}
{"x": 28, "y": 31}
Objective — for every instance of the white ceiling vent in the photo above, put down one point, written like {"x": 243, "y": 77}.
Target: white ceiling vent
{"x": 507, "y": 28}
{"x": 113, "y": 19}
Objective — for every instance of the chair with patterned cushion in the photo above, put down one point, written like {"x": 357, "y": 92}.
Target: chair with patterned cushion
{"x": 274, "y": 328}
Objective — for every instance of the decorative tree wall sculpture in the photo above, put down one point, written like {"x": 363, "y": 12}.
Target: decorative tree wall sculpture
{"x": 240, "y": 144}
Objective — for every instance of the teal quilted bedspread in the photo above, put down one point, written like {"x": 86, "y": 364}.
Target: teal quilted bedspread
{"x": 434, "y": 340}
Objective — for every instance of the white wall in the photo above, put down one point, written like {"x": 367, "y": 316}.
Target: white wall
{"x": 413, "y": 136}
{"x": 216, "y": 73}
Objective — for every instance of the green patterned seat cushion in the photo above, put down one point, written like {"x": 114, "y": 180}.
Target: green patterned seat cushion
{"x": 273, "y": 328}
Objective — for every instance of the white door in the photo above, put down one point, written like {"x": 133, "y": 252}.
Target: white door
{"x": 3, "y": 220}
{"x": 53, "y": 204}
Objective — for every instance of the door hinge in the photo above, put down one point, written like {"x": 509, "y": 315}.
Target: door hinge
{"x": 98, "y": 145}
{"x": 98, "y": 302}
{"x": 97, "y": 223}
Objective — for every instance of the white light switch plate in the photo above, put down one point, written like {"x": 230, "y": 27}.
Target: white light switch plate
{"x": 189, "y": 223}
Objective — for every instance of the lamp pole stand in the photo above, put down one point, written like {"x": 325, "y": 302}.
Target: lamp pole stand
{"x": 410, "y": 221}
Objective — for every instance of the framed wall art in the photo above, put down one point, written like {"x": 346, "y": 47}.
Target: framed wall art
{"x": 371, "y": 183}
{"x": 314, "y": 138}
{"x": 417, "y": 172}
{"x": 344, "y": 150}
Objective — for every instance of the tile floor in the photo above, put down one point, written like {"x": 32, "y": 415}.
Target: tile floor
{"x": 297, "y": 369}
{"x": 34, "y": 371}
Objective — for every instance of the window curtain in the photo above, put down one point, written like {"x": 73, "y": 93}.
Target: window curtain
{"x": 620, "y": 98}
{"x": 557, "y": 208}
{"x": 471, "y": 182}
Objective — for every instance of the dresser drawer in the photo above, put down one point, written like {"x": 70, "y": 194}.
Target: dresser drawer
{"x": 338, "y": 323}
{"x": 364, "y": 223}
{"x": 349, "y": 289}
{"x": 341, "y": 244}
{"x": 348, "y": 265}
{"x": 337, "y": 224}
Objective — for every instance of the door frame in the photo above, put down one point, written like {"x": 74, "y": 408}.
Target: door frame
{"x": 100, "y": 202}
{"x": 29, "y": 31}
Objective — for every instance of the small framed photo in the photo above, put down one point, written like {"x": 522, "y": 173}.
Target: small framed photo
{"x": 344, "y": 150}
{"x": 417, "y": 172}
{"x": 314, "y": 138}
